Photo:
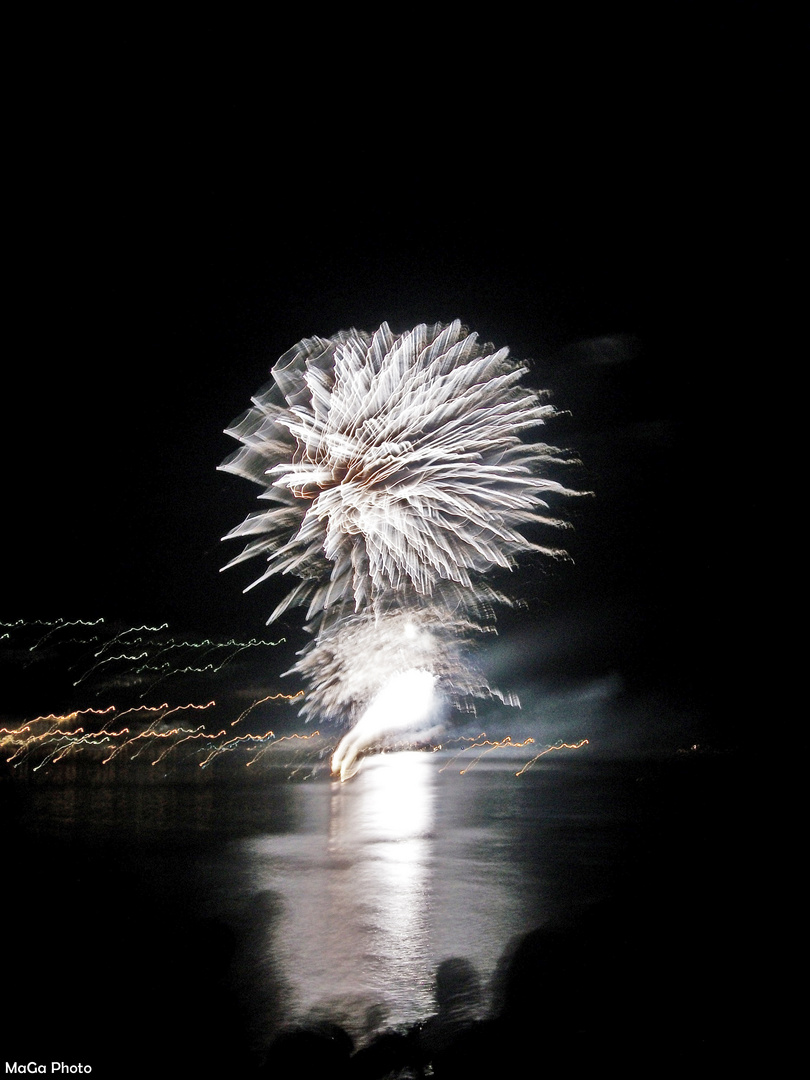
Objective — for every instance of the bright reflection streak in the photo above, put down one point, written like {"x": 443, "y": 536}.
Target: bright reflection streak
{"x": 393, "y": 803}
{"x": 392, "y": 820}
{"x": 358, "y": 870}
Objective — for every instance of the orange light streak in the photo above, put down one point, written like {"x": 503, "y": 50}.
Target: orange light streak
{"x": 490, "y": 744}
{"x": 261, "y": 701}
{"x": 557, "y": 746}
{"x": 284, "y": 738}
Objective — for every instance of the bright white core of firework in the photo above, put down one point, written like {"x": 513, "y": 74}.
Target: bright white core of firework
{"x": 407, "y": 704}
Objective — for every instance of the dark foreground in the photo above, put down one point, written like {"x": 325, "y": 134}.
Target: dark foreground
{"x": 652, "y": 980}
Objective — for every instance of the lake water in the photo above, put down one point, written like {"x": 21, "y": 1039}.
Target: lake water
{"x": 238, "y": 902}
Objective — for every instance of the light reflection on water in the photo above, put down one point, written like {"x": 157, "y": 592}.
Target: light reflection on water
{"x": 356, "y": 887}
{"x": 344, "y": 897}
{"x": 397, "y": 870}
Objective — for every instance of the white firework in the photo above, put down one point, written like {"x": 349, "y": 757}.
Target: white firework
{"x": 395, "y": 467}
{"x": 348, "y": 664}
{"x": 398, "y": 474}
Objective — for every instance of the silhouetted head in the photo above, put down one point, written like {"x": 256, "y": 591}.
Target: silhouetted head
{"x": 323, "y": 1050}
{"x": 458, "y": 987}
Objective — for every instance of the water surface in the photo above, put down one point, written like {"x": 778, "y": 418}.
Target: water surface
{"x": 273, "y": 900}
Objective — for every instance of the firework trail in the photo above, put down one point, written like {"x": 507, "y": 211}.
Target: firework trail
{"x": 396, "y": 476}
{"x": 124, "y": 729}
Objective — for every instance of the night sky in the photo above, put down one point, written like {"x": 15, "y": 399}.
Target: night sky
{"x": 594, "y": 196}
{"x": 611, "y": 191}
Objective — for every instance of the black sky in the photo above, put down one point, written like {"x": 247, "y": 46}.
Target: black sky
{"x": 613, "y": 201}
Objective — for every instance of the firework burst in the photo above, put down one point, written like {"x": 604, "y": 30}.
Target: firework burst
{"x": 398, "y": 474}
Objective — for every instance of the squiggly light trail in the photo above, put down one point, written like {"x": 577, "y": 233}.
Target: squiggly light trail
{"x": 549, "y": 749}
{"x": 50, "y": 739}
{"x": 489, "y": 745}
{"x": 261, "y": 701}
{"x": 54, "y": 740}
{"x": 129, "y": 732}
{"x": 152, "y": 662}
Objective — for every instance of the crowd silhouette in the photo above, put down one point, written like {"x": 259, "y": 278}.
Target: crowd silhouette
{"x": 566, "y": 999}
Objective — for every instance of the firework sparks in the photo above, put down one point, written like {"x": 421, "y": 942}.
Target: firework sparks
{"x": 397, "y": 475}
